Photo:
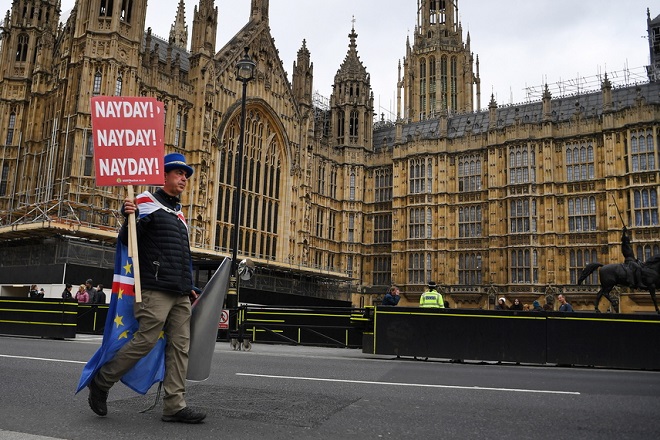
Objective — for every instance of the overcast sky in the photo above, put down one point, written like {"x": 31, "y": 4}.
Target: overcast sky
{"x": 521, "y": 44}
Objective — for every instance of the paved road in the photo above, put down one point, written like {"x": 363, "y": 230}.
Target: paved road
{"x": 283, "y": 392}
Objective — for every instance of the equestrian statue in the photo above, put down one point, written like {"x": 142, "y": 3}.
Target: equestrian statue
{"x": 631, "y": 273}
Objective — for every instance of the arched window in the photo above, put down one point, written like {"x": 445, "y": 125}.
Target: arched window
{"x": 22, "y": 47}
{"x": 444, "y": 75}
{"x": 11, "y": 128}
{"x": 105, "y": 9}
{"x": 351, "y": 189}
{"x": 646, "y": 207}
{"x": 642, "y": 150}
{"x": 469, "y": 269}
{"x": 578, "y": 259}
{"x": 453, "y": 83}
{"x": 96, "y": 89}
{"x": 340, "y": 127}
{"x": 118, "y": 86}
{"x": 422, "y": 89}
{"x": 260, "y": 186}
{"x": 353, "y": 127}
{"x": 126, "y": 10}
{"x": 181, "y": 129}
{"x": 420, "y": 175}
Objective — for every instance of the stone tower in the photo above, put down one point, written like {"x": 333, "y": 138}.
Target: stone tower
{"x": 439, "y": 76}
{"x": 654, "y": 46}
{"x": 352, "y": 101}
{"x": 29, "y": 32}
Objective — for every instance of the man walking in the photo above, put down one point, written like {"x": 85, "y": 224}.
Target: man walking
{"x": 166, "y": 278}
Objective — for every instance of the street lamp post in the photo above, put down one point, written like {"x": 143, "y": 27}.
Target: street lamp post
{"x": 245, "y": 68}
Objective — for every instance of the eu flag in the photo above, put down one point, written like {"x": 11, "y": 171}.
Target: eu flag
{"x": 120, "y": 325}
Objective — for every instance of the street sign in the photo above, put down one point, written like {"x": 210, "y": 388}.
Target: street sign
{"x": 224, "y": 320}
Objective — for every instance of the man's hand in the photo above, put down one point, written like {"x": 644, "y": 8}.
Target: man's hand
{"x": 129, "y": 207}
{"x": 194, "y": 294}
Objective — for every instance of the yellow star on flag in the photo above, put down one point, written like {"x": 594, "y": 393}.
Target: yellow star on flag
{"x": 123, "y": 335}
{"x": 119, "y": 321}
{"x": 120, "y": 294}
{"x": 127, "y": 267}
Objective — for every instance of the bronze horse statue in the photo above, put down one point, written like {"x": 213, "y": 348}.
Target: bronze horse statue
{"x": 616, "y": 274}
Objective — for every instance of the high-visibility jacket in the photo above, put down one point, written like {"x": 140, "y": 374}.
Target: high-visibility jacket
{"x": 431, "y": 298}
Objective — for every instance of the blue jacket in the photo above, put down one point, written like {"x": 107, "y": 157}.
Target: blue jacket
{"x": 391, "y": 300}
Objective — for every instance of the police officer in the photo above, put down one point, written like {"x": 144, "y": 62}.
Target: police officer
{"x": 431, "y": 298}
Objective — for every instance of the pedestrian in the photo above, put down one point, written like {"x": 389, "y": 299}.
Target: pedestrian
{"x": 166, "y": 277}
{"x": 100, "y": 295}
{"x": 33, "y": 293}
{"x": 517, "y": 305}
{"x": 91, "y": 291}
{"x": 66, "y": 293}
{"x": 82, "y": 296}
{"x": 41, "y": 294}
{"x": 431, "y": 298}
{"x": 501, "y": 304}
{"x": 536, "y": 306}
{"x": 565, "y": 306}
{"x": 392, "y": 297}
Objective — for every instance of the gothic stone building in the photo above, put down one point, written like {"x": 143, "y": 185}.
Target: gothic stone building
{"x": 512, "y": 201}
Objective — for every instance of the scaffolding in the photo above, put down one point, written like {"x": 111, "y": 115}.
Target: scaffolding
{"x": 587, "y": 84}
{"x": 321, "y": 106}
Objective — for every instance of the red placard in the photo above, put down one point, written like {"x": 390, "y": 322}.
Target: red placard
{"x": 128, "y": 140}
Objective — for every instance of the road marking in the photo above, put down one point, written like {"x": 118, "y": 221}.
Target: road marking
{"x": 399, "y": 384}
{"x": 40, "y": 359}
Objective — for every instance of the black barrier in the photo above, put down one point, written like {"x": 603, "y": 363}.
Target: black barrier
{"x": 320, "y": 326}
{"x": 460, "y": 334}
{"x": 48, "y": 318}
{"x": 91, "y": 318}
{"x": 612, "y": 340}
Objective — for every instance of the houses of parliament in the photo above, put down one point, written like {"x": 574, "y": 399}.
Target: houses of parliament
{"x": 337, "y": 205}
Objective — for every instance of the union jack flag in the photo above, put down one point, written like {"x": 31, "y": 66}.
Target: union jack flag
{"x": 147, "y": 204}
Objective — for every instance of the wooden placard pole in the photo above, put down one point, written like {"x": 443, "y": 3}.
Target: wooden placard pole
{"x": 133, "y": 248}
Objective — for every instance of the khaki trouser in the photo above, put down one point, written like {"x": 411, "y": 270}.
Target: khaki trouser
{"x": 155, "y": 310}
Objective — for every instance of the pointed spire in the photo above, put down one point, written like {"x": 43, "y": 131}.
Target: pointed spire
{"x": 353, "y": 37}
{"x": 303, "y": 53}
{"x": 352, "y": 65}
{"x": 492, "y": 103}
{"x": 179, "y": 30}
{"x": 546, "y": 92}
{"x": 303, "y": 76}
